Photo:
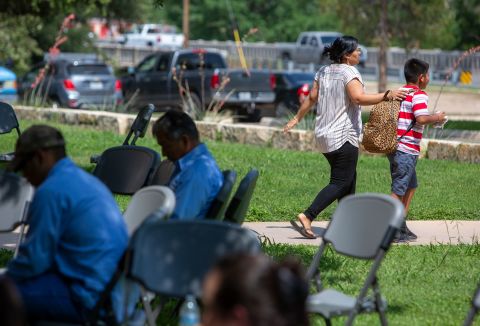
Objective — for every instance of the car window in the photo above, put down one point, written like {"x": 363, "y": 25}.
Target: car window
{"x": 314, "y": 42}
{"x": 163, "y": 62}
{"x": 304, "y": 40}
{"x": 88, "y": 69}
{"x": 213, "y": 61}
{"x": 301, "y": 78}
{"x": 328, "y": 39}
{"x": 188, "y": 61}
{"x": 148, "y": 64}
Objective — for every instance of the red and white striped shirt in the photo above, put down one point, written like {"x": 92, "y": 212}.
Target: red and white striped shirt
{"x": 414, "y": 105}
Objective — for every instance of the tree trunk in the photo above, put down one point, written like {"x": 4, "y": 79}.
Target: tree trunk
{"x": 382, "y": 51}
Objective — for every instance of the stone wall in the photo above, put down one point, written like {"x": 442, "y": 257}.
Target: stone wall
{"x": 238, "y": 133}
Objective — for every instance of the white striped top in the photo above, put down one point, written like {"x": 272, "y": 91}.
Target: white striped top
{"x": 338, "y": 118}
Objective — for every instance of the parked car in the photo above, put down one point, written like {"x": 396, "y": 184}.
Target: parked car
{"x": 156, "y": 80}
{"x": 8, "y": 85}
{"x": 152, "y": 35}
{"x": 290, "y": 91}
{"x": 309, "y": 48}
{"x": 72, "y": 81}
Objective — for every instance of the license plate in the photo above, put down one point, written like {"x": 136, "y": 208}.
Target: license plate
{"x": 244, "y": 96}
{"x": 96, "y": 85}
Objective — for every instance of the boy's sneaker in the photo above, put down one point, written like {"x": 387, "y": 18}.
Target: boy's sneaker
{"x": 401, "y": 237}
{"x": 410, "y": 234}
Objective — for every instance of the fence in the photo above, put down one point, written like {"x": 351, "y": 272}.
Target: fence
{"x": 268, "y": 55}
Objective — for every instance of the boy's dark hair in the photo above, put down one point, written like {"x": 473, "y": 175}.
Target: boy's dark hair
{"x": 175, "y": 124}
{"x": 341, "y": 46}
{"x": 414, "y": 68}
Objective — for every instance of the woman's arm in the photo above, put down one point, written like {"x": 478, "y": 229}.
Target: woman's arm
{"x": 357, "y": 95}
{"x": 309, "y": 101}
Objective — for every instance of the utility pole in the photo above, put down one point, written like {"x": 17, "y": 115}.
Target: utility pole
{"x": 382, "y": 53}
{"x": 185, "y": 23}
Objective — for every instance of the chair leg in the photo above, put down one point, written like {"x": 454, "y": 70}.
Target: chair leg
{"x": 378, "y": 303}
{"x": 328, "y": 322}
{"x": 470, "y": 317}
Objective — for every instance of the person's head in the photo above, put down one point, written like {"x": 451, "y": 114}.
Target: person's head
{"x": 344, "y": 50}
{"x": 176, "y": 133}
{"x": 416, "y": 72}
{"x": 245, "y": 290}
{"x": 37, "y": 150}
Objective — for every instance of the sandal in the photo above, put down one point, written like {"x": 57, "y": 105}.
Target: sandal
{"x": 306, "y": 232}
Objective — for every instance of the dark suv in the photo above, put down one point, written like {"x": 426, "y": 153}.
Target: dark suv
{"x": 72, "y": 82}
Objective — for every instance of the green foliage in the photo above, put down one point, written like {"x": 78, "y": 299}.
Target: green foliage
{"x": 289, "y": 180}
{"x": 422, "y": 284}
{"x": 467, "y": 13}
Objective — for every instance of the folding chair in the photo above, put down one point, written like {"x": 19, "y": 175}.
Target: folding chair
{"x": 171, "y": 258}
{"x": 363, "y": 226}
{"x": 163, "y": 173}
{"x": 219, "y": 205}
{"x": 126, "y": 169}
{"x": 237, "y": 209}
{"x": 8, "y": 122}
{"x": 474, "y": 308}
{"x": 15, "y": 197}
{"x": 152, "y": 199}
{"x": 138, "y": 128}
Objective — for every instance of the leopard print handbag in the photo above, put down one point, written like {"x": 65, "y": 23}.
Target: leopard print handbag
{"x": 380, "y": 132}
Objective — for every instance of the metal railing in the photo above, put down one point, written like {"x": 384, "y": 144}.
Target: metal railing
{"x": 268, "y": 55}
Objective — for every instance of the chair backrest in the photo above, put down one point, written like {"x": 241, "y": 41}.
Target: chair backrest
{"x": 147, "y": 201}
{"x": 126, "y": 169}
{"x": 362, "y": 223}
{"x": 16, "y": 194}
{"x": 172, "y": 257}
{"x": 140, "y": 124}
{"x": 8, "y": 119}
{"x": 219, "y": 205}
{"x": 163, "y": 173}
{"x": 237, "y": 209}
{"x": 475, "y": 307}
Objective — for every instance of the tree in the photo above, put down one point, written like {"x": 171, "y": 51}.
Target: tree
{"x": 467, "y": 13}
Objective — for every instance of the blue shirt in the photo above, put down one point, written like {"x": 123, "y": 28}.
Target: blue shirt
{"x": 196, "y": 181}
{"x": 75, "y": 230}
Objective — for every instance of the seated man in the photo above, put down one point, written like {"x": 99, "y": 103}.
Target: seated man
{"x": 76, "y": 232}
{"x": 196, "y": 179}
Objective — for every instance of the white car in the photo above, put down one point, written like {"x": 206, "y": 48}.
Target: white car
{"x": 152, "y": 35}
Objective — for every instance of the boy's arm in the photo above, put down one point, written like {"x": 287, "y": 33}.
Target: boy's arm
{"x": 431, "y": 118}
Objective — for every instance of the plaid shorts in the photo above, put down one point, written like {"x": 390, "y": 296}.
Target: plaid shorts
{"x": 402, "y": 170}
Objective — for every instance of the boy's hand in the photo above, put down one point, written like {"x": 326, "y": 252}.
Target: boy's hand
{"x": 440, "y": 117}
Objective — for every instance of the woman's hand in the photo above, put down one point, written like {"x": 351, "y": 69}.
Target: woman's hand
{"x": 398, "y": 94}
{"x": 290, "y": 124}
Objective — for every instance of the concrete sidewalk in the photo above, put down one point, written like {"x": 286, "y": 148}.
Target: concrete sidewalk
{"x": 428, "y": 232}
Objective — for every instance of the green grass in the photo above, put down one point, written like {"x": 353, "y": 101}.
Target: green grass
{"x": 290, "y": 180}
{"x": 424, "y": 285}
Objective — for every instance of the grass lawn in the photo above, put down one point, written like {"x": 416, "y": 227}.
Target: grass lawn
{"x": 289, "y": 180}
{"x": 424, "y": 285}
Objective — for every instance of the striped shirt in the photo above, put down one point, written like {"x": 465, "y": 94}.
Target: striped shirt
{"x": 338, "y": 117}
{"x": 414, "y": 105}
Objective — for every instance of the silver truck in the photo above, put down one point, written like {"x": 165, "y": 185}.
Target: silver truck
{"x": 309, "y": 48}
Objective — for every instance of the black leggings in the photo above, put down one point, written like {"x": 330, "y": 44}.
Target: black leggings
{"x": 343, "y": 176}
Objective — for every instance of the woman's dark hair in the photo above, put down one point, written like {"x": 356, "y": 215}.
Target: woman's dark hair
{"x": 341, "y": 46}
{"x": 272, "y": 293}
{"x": 175, "y": 124}
{"x": 414, "y": 68}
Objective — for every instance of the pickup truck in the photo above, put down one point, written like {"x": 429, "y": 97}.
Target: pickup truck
{"x": 152, "y": 35}
{"x": 156, "y": 78}
{"x": 309, "y": 48}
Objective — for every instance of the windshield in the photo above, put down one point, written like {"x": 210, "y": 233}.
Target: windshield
{"x": 88, "y": 69}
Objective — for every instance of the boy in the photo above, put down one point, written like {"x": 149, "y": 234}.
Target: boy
{"x": 412, "y": 117}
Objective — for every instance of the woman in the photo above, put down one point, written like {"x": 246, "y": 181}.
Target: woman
{"x": 338, "y": 91}
{"x": 244, "y": 290}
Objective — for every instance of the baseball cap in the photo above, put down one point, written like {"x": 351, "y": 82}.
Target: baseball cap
{"x": 34, "y": 138}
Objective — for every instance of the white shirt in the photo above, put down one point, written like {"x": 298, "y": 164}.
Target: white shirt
{"x": 338, "y": 118}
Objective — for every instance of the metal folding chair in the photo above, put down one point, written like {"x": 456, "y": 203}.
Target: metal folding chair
{"x": 237, "y": 209}
{"x": 363, "y": 226}
{"x": 8, "y": 122}
{"x": 16, "y": 194}
{"x": 219, "y": 204}
{"x": 163, "y": 173}
{"x": 474, "y": 308}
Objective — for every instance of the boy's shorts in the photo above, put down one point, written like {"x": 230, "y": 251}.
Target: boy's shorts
{"x": 402, "y": 170}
